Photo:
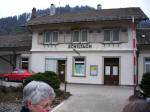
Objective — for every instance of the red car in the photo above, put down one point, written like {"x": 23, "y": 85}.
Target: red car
{"x": 17, "y": 75}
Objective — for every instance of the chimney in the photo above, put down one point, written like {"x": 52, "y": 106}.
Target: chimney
{"x": 99, "y": 7}
{"x": 33, "y": 13}
{"x": 52, "y": 10}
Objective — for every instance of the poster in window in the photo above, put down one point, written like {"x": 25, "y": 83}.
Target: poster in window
{"x": 93, "y": 70}
{"x": 107, "y": 70}
{"x": 115, "y": 70}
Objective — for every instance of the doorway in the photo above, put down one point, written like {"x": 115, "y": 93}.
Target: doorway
{"x": 61, "y": 70}
{"x": 111, "y": 71}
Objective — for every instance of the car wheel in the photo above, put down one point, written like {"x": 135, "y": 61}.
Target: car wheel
{"x": 6, "y": 79}
{"x": 23, "y": 80}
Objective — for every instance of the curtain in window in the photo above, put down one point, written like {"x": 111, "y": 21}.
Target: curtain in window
{"x": 47, "y": 37}
{"x": 55, "y": 37}
{"x": 76, "y": 36}
{"x": 107, "y": 35}
{"x": 115, "y": 35}
{"x": 84, "y": 36}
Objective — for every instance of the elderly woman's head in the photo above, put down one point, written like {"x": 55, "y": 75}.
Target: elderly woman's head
{"x": 38, "y": 96}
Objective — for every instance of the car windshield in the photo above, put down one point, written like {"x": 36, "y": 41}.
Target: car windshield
{"x": 21, "y": 72}
{"x": 14, "y": 72}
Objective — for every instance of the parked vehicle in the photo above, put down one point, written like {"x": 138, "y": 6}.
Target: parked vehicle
{"x": 17, "y": 75}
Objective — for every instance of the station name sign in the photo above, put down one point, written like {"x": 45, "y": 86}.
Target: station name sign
{"x": 82, "y": 45}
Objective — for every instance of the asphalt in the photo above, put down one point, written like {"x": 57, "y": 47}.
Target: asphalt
{"x": 95, "y": 98}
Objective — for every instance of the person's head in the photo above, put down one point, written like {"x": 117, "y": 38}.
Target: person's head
{"x": 38, "y": 96}
{"x": 137, "y": 106}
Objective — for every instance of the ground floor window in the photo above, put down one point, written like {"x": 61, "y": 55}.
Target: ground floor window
{"x": 79, "y": 66}
{"x": 50, "y": 65}
{"x": 25, "y": 63}
{"x": 147, "y": 65}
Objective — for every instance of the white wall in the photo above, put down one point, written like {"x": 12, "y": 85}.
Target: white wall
{"x": 92, "y": 58}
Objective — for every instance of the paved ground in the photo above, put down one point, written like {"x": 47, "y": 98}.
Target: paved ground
{"x": 8, "y": 84}
{"x": 95, "y": 98}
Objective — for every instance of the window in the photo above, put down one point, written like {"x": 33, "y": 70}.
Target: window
{"x": 147, "y": 65}
{"x": 76, "y": 36}
{"x": 47, "y": 37}
{"x": 50, "y": 65}
{"x": 111, "y": 36}
{"x": 80, "y": 36}
{"x": 24, "y": 63}
{"x": 84, "y": 36}
{"x": 55, "y": 37}
{"x": 115, "y": 35}
{"x": 51, "y": 37}
{"x": 79, "y": 67}
{"x": 21, "y": 72}
{"x": 14, "y": 72}
{"x": 107, "y": 35}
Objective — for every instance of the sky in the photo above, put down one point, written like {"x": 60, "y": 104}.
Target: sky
{"x": 17, "y": 7}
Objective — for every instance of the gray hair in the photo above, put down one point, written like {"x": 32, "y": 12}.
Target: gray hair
{"x": 36, "y": 91}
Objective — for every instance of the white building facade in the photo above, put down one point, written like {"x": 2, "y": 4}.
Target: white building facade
{"x": 95, "y": 52}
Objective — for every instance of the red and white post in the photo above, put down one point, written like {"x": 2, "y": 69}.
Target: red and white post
{"x": 134, "y": 52}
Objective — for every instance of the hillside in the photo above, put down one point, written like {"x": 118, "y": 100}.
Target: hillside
{"x": 12, "y": 25}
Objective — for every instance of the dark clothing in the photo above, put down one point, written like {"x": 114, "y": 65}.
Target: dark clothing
{"x": 25, "y": 109}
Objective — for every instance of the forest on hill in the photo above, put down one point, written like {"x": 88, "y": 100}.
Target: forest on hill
{"x": 12, "y": 25}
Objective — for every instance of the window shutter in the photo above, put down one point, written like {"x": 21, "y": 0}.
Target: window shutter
{"x": 67, "y": 38}
{"x": 41, "y": 38}
{"x": 123, "y": 37}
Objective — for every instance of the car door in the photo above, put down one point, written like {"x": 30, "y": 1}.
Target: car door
{"x": 13, "y": 75}
{"x": 21, "y": 74}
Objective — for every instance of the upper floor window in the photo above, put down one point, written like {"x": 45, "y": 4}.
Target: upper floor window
{"x": 111, "y": 35}
{"x": 51, "y": 37}
{"x": 115, "y": 35}
{"x": 84, "y": 36}
{"x": 76, "y": 36}
{"x": 47, "y": 38}
{"x": 55, "y": 37}
{"x": 80, "y": 36}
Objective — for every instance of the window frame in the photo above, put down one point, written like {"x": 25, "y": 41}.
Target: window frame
{"x": 146, "y": 63}
{"x": 113, "y": 35}
{"x": 25, "y": 62}
{"x": 52, "y": 37}
{"x": 49, "y": 37}
{"x": 73, "y": 67}
{"x": 111, "y": 38}
{"x": 80, "y": 36}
